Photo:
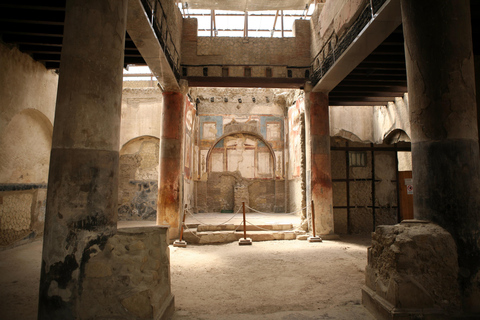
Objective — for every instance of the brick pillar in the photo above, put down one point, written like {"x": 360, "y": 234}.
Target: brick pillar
{"x": 83, "y": 179}
{"x": 316, "y": 109}
{"x": 171, "y": 164}
{"x": 445, "y": 151}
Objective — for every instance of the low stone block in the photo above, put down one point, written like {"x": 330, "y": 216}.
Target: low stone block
{"x": 412, "y": 268}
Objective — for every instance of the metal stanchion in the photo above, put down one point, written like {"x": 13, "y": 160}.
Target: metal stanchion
{"x": 314, "y": 238}
{"x": 245, "y": 240}
{"x": 180, "y": 243}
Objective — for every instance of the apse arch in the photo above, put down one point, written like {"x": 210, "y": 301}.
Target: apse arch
{"x": 255, "y": 135}
{"x": 123, "y": 148}
{"x": 348, "y": 135}
{"x": 395, "y": 135}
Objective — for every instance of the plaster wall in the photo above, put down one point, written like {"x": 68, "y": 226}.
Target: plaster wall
{"x": 24, "y": 84}
{"x": 141, "y": 112}
{"x": 27, "y": 104}
{"x": 371, "y": 124}
{"x": 352, "y": 123}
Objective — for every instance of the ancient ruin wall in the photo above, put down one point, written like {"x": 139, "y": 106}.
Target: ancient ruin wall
{"x": 238, "y": 52}
{"x": 353, "y": 189}
{"x": 138, "y": 179}
{"x": 248, "y": 125}
{"x": 27, "y": 100}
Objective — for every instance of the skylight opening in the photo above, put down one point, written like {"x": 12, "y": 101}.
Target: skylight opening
{"x": 223, "y": 23}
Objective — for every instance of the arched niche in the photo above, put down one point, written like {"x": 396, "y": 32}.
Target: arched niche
{"x": 26, "y": 143}
{"x": 251, "y": 134}
{"x": 138, "y": 179}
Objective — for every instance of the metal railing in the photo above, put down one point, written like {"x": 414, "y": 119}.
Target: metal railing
{"x": 158, "y": 20}
{"x": 335, "y": 47}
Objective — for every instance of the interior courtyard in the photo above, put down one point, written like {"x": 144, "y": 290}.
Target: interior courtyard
{"x": 145, "y": 142}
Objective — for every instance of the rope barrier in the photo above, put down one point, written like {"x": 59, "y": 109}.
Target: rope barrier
{"x": 267, "y": 213}
{"x": 188, "y": 229}
{"x": 234, "y": 215}
{"x": 207, "y": 224}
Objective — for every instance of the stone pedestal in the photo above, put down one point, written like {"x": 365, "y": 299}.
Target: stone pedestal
{"x": 171, "y": 165}
{"x": 412, "y": 272}
{"x": 83, "y": 179}
{"x": 445, "y": 151}
{"x": 316, "y": 109}
{"x": 129, "y": 277}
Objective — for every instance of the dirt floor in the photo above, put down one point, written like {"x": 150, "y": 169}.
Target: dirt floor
{"x": 268, "y": 280}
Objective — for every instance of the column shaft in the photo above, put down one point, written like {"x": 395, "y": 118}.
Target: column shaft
{"x": 169, "y": 187}
{"x": 445, "y": 151}
{"x": 321, "y": 176}
{"x": 83, "y": 178}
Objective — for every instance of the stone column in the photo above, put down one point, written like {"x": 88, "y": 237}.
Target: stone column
{"x": 445, "y": 151}
{"x": 318, "y": 130}
{"x": 82, "y": 186}
{"x": 171, "y": 164}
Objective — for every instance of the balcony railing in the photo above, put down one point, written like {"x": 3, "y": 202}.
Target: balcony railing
{"x": 158, "y": 20}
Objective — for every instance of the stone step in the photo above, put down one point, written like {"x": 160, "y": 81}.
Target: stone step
{"x": 231, "y": 227}
{"x": 209, "y": 237}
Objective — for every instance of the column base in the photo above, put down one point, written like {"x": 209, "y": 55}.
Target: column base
{"x": 314, "y": 239}
{"x": 381, "y": 309}
{"x": 180, "y": 243}
{"x": 245, "y": 242}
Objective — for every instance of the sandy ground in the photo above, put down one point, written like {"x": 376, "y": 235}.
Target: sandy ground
{"x": 268, "y": 280}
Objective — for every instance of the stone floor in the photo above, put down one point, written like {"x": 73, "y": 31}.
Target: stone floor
{"x": 268, "y": 280}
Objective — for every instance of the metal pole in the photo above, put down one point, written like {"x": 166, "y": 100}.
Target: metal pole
{"x": 180, "y": 243}
{"x": 313, "y": 219}
{"x": 244, "y": 241}
{"x": 244, "y": 222}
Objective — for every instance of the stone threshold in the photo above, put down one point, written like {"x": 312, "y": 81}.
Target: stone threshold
{"x": 193, "y": 236}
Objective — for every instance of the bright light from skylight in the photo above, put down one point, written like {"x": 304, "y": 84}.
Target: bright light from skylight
{"x": 138, "y": 73}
